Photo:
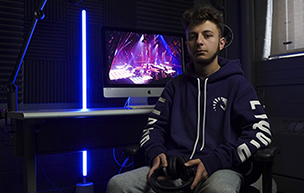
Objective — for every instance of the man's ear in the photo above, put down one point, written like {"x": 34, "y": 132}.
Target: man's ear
{"x": 222, "y": 43}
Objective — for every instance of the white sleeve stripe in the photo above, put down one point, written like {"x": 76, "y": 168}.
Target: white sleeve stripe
{"x": 243, "y": 152}
{"x": 263, "y": 116}
{"x": 151, "y": 121}
{"x": 144, "y": 140}
{"x": 156, "y": 112}
{"x": 161, "y": 99}
{"x": 255, "y": 143}
{"x": 254, "y": 103}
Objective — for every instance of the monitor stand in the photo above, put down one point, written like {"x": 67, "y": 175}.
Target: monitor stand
{"x": 138, "y": 102}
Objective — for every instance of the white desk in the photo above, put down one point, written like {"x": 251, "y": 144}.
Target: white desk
{"x": 59, "y": 131}
{"x": 61, "y": 113}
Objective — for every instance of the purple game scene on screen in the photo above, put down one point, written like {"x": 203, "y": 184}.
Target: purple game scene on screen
{"x": 138, "y": 58}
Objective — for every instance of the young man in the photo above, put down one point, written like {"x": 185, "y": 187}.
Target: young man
{"x": 210, "y": 114}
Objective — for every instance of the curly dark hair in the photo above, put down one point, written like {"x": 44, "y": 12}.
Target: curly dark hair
{"x": 201, "y": 14}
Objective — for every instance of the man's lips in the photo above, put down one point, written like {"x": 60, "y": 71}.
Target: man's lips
{"x": 201, "y": 51}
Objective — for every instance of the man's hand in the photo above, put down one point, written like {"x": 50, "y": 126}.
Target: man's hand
{"x": 158, "y": 161}
{"x": 201, "y": 172}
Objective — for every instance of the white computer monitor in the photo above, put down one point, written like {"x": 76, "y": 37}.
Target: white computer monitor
{"x": 138, "y": 64}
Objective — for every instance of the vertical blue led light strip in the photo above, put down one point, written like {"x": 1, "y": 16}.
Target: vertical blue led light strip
{"x": 84, "y": 82}
{"x": 84, "y": 163}
{"x": 84, "y": 60}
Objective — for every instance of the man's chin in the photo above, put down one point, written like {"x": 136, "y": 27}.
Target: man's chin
{"x": 204, "y": 61}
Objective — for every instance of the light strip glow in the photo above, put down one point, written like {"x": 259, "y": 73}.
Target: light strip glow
{"x": 84, "y": 60}
{"x": 84, "y": 163}
{"x": 84, "y": 81}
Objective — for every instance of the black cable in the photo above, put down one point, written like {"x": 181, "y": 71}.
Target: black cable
{"x": 47, "y": 176}
{"x": 36, "y": 136}
{"x": 124, "y": 164}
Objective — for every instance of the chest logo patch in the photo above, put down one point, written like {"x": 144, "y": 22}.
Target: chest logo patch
{"x": 219, "y": 102}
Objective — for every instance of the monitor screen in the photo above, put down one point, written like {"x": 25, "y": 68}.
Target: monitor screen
{"x": 139, "y": 63}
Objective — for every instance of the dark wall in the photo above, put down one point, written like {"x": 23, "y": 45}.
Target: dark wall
{"x": 281, "y": 79}
{"x": 51, "y": 71}
{"x": 50, "y": 75}
{"x": 282, "y": 83}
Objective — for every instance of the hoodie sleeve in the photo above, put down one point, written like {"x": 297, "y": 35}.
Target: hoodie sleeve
{"x": 248, "y": 118}
{"x": 155, "y": 132}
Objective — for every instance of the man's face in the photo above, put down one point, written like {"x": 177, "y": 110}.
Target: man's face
{"x": 203, "y": 42}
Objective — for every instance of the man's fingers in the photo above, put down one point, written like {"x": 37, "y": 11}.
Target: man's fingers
{"x": 160, "y": 160}
{"x": 201, "y": 172}
{"x": 192, "y": 162}
{"x": 163, "y": 160}
{"x": 156, "y": 163}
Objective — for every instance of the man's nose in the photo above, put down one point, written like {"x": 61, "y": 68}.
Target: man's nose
{"x": 200, "y": 40}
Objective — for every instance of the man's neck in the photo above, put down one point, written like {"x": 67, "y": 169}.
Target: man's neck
{"x": 204, "y": 71}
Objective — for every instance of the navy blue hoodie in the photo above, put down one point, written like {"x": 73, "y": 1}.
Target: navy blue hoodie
{"x": 218, "y": 119}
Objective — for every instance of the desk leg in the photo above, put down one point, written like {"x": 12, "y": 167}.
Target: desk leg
{"x": 29, "y": 161}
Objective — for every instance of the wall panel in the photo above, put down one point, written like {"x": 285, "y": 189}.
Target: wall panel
{"x": 283, "y": 83}
{"x": 160, "y": 15}
{"x": 11, "y": 39}
{"x": 56, "y": 41}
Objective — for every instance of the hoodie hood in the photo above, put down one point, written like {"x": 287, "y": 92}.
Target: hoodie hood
{"x": 228, "y": 68}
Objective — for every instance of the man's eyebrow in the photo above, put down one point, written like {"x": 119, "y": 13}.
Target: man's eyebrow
{"x": 205, "y": 31}
{"x": 208, "y": 31}
{"x": 192, "y": 33}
